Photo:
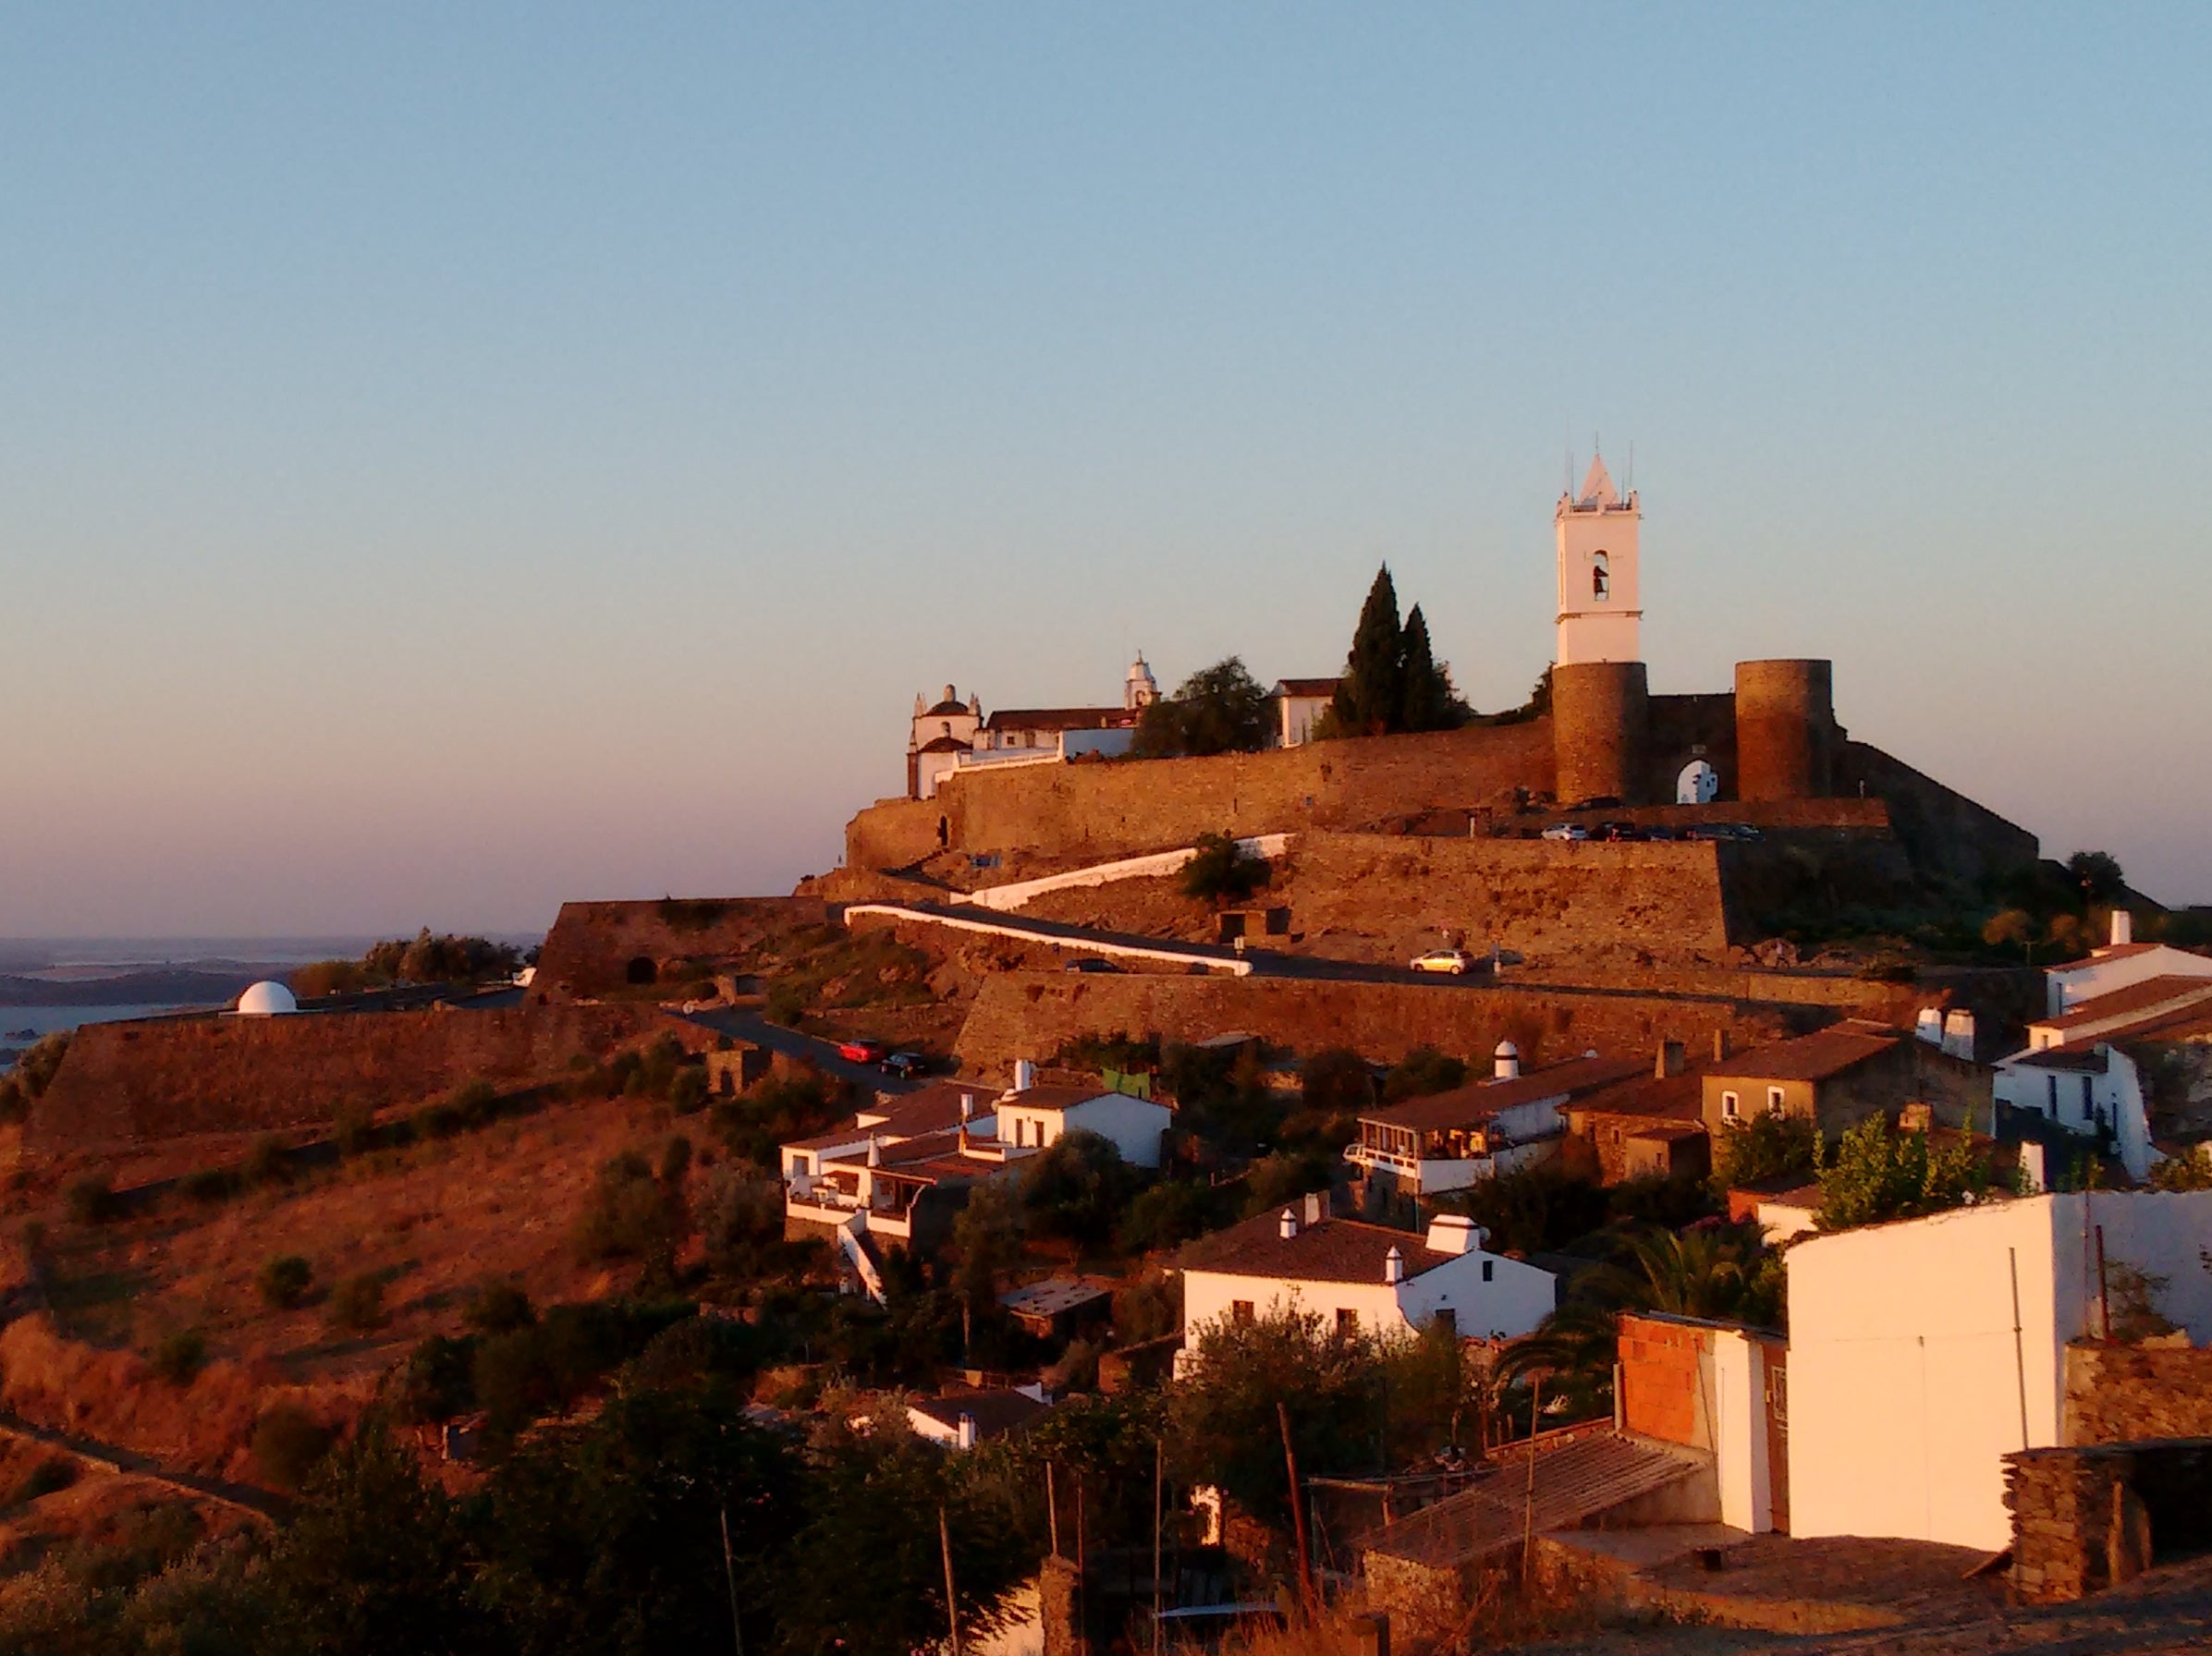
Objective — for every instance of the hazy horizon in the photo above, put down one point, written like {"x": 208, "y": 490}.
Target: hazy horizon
{"x": 455, "y": 462}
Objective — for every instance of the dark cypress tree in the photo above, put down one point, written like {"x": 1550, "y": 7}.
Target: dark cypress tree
{"x": 1426, "y": 687}
{"x": 1372, "y": 694}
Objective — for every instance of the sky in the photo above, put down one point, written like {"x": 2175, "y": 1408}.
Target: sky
{"x": 458, "y": 459}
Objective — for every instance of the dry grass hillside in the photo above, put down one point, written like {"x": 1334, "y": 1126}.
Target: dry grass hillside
{"x": 427, "y": 1222}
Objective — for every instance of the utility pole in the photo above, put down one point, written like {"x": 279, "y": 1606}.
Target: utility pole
{"x": 1159, "y": 1487}
{"x": 729, "y": 1569}
{"x": 952, "y": 1604}
{"x": 1298, "y": 1507}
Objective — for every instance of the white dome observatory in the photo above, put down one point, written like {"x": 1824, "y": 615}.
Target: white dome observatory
{"x": 266, "y": 999}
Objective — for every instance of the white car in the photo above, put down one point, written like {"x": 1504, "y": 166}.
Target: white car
{"x": 1455, "y": 961}
{"x": 1567, "y": 831}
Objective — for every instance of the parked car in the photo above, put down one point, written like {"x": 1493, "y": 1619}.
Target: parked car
{"x": 1090, "y": 962}
{"x": 1617, "y": 831}
{"x": 860, "y": 1051}
{"x": 905, "y": 1065}
{"x": 1655, "y": 830}
{"x": 1458, "y": 962}
{"x": 1567, "y": 831}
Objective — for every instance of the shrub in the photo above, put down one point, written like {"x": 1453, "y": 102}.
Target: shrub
{"x": 498, "y": 1309}
{"x": 356, "y": 1302}
{"x": 1767, "y": 1146}
{"x": 629, "y": 1215}
{"x": 474, "y": 1103}
{"x": 1219, "y": 872}
{"x": 434, "y": 1382}
{"x": 688, "y": 1091}
{"x": 180, "y": 1355}
{"x": 284, "y": 1281}
{"x": 1274, "y": 1181}
{"x": 1172, "y": 1212}
{"x": 352, "y": 1127}
{"x": 92, "y": 1199}
{"x": 51, "y": 1476}
{"x": 288, "y": 1443}
{"x": 267, "y": 1163}
{"x": 15, "y": 1103}
{"x": 1422, "y": 1071}
{"x": 209, "y": 1184}
{"x": 438, "y": 1120}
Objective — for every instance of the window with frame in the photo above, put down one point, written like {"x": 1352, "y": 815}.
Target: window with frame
{"x": 1447, "y": 1320}
{"x": 1347, "y": 1320}
{"x": 1773, "y": 1100}
{"x": 1489, "y": 1269}
{"x": 1601, "y": 576}
{"x": 1730, "y": 1106}
{"x": 1240, "y": 1312}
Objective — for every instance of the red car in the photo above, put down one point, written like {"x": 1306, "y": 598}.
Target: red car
{"x": 860, "y": 1051}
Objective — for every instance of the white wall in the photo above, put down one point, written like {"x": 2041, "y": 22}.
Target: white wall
{"x": 1133, "y": 1124}
{"x": 2068, "y": 986}
{"x": 1905, "y": 1374}
{"x": 1511, "y": 1303}
{"x": 1160, "y": 863}
{"x": 1740, "y": 1451}
{"x": 2115, "y": 1095}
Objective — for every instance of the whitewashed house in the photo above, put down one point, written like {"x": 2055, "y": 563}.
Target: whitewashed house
{"x": 1364, "y": 1278}
{"x": 1922, "y": 1352}
{"x": 2120, "y": 964}
{"x": 1449, "y": 1141}
{"x": 1295, "y": 706}
{"x": 1031, "y": 1118}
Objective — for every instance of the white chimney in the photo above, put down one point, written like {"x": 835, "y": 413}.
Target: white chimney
{"x": 1025, "y": 1074}
{"x": 1394, "y": 1266}
{"x": 967, "y": 1431}
{"x": 967, "y": 1106}
{"x": 1314, "y": 1210}
{"x": 1928, "y": 1026}
{"x": 1453, "y": 1232}
{"x": 1287, "y": 1226}
{"x": 1958, "y": 1034}
{"x": 1504, "y": 1063}
{"x": 1671, "y": 1060}
{"x": 2123, "y": 928}
{"x": 876, "y": 1153}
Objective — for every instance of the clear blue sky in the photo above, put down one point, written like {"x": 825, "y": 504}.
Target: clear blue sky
{"x": 453, "y": 459}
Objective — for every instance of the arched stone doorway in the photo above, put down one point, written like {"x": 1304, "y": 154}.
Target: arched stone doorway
{"x": 643, "y": 971}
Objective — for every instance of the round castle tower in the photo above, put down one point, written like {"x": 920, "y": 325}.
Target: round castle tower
{"x": 1600, "y": 717}
{"x": 1785, "y": 733}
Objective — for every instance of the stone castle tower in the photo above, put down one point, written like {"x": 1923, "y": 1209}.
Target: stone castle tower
{"x": 1786, "y": 737}
{"x": 1600, "y": 697}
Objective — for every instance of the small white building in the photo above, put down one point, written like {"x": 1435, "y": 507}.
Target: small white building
{"x": 1295, "y": 706}
{"x": 2120, "y": 964}
{"x": 964, "y": 1419}
{"x": 1448, "y": 1141}
{"x": 941, "y": 732}
{"x": 1368, "y": 1279}
{"x": 1035, "y": 1117}
{"x": 1922, "y": 1352}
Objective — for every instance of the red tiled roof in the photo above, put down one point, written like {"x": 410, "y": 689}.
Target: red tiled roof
{"x": 1306, "y": 687}
{"x": 946, "y": 744}
{"x": 1328, "y": 1250}
{"x": 1463, "y": 1106}
{"x": 2120, "y": 951}
{"x": 2151, "y": 994}
{"x": 1673, "y": 1098}
{"x": 1813, "y": 1057}
{"x": 1054, "y": 1096}
{"x": 931, "y": 1109}
{"x": 1060, "y": 718}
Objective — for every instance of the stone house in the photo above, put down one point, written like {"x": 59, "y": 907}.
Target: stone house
{"x": 1839, "y": 1076}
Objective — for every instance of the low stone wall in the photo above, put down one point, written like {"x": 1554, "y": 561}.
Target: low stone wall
{"x": 2090, "y": 1518}
{"x": 130, "y": 1083}
{"x": 1031, "y": 1015}
{"x": 2118, "y": 1393}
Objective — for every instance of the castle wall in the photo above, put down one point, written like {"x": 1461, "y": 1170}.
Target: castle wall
{"x": 1127, "y": 808}
{"x": 1949, "y": 838}
{"x": 593, "y": 947}
{"x": 1026, "y": 1015}
{"x": 124, "y": 1083}
{"x": 1600, "y": 714}
{"x": 1542, "y": 898}
{"x": 1786, "y": 735}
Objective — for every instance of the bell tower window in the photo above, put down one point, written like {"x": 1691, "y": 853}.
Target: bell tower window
{"x": 1601, "y": 576}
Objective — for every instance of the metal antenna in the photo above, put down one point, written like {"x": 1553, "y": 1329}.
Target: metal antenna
{"x": 1632, "y": 485}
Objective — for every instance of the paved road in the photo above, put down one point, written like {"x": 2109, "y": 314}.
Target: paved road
{"x": 1264, "y": 963}
{"x": 743, "y": 1025}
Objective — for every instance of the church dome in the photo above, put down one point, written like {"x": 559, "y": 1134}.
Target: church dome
{"x": 266, "y": 999}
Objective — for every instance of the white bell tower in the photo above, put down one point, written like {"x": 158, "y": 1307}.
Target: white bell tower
{"x": 1600, "y": 612}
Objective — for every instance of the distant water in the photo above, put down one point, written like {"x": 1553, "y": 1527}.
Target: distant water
{"x": 45, "y": 1020}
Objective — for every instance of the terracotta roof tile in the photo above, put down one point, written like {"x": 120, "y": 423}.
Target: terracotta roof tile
{"x": 1306, "y": 687}
{"x": 1813, "y": 1057}
{"x": 2144, "y": 997}
{"x": 1329, "y": 1250}
{"x": 1060, "y": 718}
{"x": 995, "y": 1412}
{"x": 1465, "y": 1105}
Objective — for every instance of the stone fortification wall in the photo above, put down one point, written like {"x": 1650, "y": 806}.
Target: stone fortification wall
{"x": 127, "y": 1083}
{"x": 1547, "y": 900}
{"x": 2117, "y": 1393}
{"x": 1601, "y": 726}
{"x": 1950, "y": 839}
{"x": 1128, "y": 807}
{"x": 594, "y": 948}
{"x": 2092, "y": 1518}
{"x": 1031, "y": 1015}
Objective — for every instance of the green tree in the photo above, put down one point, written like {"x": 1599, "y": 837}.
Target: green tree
{"x": 1077, "y": 1188}
{"x": 1219, "y": 709}
{"x": 1880, "y": 1174}
{"x": 1226, "y": 1427}
{"x": 1421, "y": 1072}
{"x": 1426, "y": 698}
{"x": 1769, "y": 1146}
{"x": 2099, "y": 875}
{"x": 377, "y": 1560}
{"x": 1220, "y": 873}
{"x": 1370, "y": 698}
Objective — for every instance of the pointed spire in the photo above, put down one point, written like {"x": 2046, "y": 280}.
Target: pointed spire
{"x": 1597, "y": 485}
